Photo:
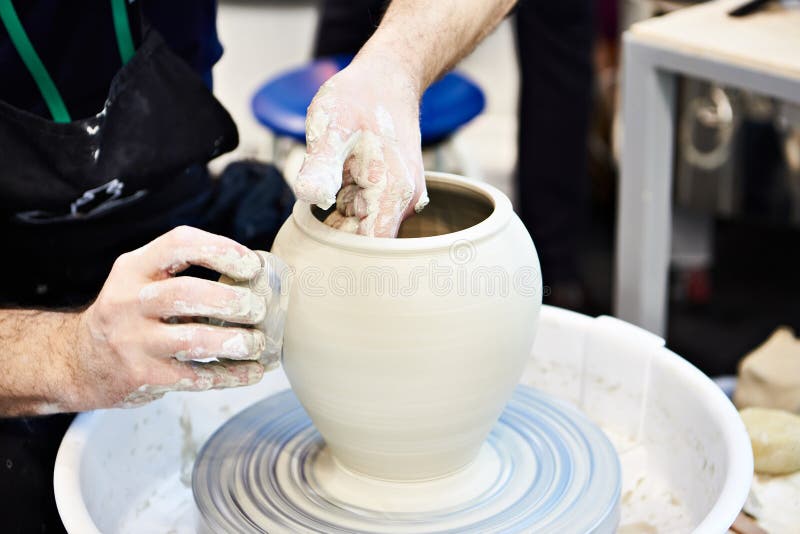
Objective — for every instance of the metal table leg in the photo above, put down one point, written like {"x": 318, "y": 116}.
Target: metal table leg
{"x": 645, "y": 191}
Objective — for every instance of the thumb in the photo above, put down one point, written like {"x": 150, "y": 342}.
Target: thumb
{"x": 318, "y": 181}
{"x": 327, "y": 148}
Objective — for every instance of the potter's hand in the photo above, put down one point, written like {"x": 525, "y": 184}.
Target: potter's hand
{"x": 363, "y": 149}
{"x": 362, "y": 128}
{"x": 129, "y": 354}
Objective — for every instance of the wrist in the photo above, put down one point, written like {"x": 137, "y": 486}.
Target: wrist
{"x": 387, "y": 55}
{"x": 63, "y": 386}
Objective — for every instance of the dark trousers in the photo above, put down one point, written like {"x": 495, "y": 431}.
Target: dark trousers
{"x": 554, "y": 43}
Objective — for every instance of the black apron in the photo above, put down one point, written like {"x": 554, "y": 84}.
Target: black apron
{"x": 75, "y": 195}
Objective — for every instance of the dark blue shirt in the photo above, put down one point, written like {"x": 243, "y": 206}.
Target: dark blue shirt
{"x": 76, "y": 42}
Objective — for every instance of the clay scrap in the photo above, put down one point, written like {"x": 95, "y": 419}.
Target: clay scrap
{"x": 769, "y": 377}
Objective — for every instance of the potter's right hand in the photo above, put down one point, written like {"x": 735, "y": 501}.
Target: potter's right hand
{"x": 363, "y": 149}
{"x": 138, "y": 340}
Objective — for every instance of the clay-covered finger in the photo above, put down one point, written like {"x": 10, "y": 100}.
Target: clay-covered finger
{"x": 328, "y": 145}
{"x": 345, "y": 198}
{"x": 194, "y": 376}
{"x": 318, "y": 181}
{"x": 320, "y": 176}
{"x": 173, "y": 375}
{"x": 380, "y": 212}
{"x": 186, "y": 342}
{"x": 184, "y": 246}
{"x": 422, "y": 199}
{"x": 385, "y": 225}
{"x": 186, "y": 296}
{"x": 368, "y": 165}
{"x": 220, "y": 375}
{"x": 387, "y": 194}
{"x": 371, "y": 174}
{"x": 342, "y": 222}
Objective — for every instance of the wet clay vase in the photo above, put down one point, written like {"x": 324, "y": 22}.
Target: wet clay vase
{"x": 405, "y": 351}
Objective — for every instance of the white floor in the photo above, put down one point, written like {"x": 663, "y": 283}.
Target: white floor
{"x": 262, "y": 39}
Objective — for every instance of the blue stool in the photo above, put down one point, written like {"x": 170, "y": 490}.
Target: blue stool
{"x": 280, "y": 104}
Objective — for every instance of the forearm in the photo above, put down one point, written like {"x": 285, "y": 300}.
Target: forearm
{"x": 362, "y": 128}
{"x": 141, "y": 337}
{"x": 428, "y": 37}
{"x": 35, "y": 348}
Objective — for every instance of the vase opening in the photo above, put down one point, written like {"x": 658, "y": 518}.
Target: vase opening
{"x": 453, "y": 207}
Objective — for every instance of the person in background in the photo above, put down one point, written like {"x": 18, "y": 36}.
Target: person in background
{"x": 554, "y": 44}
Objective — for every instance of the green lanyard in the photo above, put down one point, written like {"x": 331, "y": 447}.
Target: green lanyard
{"x": 37, "y": 69}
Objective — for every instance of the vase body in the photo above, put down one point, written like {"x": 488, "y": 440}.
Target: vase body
{"x": 405, "y": 351}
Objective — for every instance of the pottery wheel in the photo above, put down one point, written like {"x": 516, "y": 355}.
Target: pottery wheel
{"x": 544, "y": 468}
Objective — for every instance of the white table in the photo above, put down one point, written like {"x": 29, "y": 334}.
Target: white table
{"x": 760, "y": 53}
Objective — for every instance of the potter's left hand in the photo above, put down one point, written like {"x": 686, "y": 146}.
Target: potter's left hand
{"x": 363, "y": 149}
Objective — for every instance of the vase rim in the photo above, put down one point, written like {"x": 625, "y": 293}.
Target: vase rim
{"x": 501, "y": 213}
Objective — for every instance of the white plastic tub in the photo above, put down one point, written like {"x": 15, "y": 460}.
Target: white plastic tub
{"x": 686, "y": 458}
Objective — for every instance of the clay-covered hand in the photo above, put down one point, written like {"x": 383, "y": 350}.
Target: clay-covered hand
{"x": 363, "y": 149}
{"x": 138, "y": 340}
